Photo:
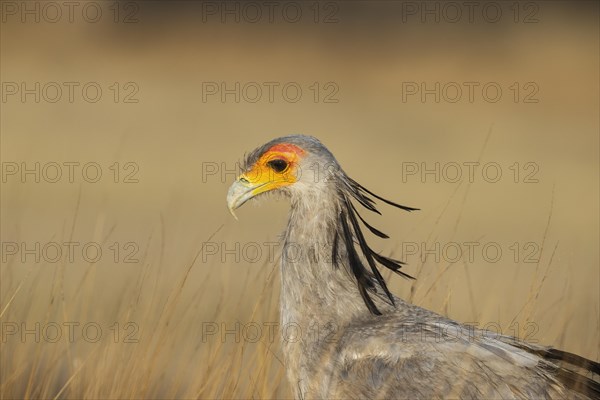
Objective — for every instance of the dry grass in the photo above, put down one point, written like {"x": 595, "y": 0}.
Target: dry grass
{"x": 176, "y": 291}
{"x": 165, "y": 357}
{"x": 169, "y": 353}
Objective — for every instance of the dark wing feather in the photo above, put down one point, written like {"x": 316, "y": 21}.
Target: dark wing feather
{"x": 568, "y": 368}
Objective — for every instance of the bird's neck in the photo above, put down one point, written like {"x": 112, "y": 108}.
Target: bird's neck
{"x": 319, "y": 298}
{"x": 314, "y": 290}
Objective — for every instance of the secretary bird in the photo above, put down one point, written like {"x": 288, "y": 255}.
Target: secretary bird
{"x": 355, "y": 339}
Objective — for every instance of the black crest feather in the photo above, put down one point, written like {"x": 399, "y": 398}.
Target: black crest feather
{"x": 368, "y": 280}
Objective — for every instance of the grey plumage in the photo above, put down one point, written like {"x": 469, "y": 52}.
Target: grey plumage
{"x": 354, "y": 339}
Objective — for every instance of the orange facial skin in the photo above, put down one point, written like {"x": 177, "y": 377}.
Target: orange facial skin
{"x": 276, "y": 168}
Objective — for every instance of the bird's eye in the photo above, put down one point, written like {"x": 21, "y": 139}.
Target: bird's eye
{"x": 278, "y": 165}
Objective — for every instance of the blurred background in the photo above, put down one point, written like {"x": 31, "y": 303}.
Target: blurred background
{"x": 122, "y": 125}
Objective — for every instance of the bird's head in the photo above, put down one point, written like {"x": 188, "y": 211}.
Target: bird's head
{"x": 291, "y": 165}
{"x": 303, "y": 169}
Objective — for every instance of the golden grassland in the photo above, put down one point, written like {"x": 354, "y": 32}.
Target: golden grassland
{"x": 168, "y": 318}
{"x": 177, "y": 335}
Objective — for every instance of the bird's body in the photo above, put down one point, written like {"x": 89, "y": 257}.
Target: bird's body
{"x": 346, "y": 335}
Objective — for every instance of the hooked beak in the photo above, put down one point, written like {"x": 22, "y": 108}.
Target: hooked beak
{"x": 240, "y": 192}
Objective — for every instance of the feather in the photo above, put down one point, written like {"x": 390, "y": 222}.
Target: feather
{"x": 375, "y": 231}
{"x": 359, "y": 271}
{"x": 360, "y": 187}
{"x": 367, "y": 252}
